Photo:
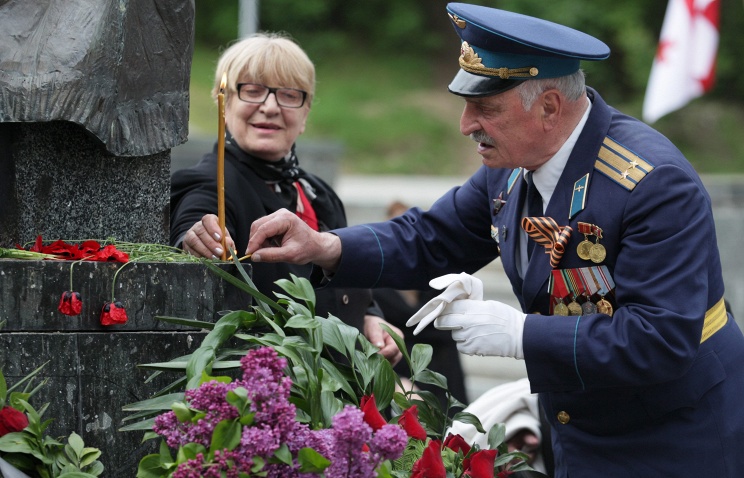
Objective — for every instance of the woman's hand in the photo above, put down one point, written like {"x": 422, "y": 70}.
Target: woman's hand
{"x": 381, "y": 339}
{"x": 204, "y": 239}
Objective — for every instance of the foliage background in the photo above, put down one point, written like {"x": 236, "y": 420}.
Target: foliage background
{"x": 383, "y": 70}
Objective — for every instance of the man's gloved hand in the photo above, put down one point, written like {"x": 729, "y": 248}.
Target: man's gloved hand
{"x": 484, "y": 327}
{"x": 456, "y": 286}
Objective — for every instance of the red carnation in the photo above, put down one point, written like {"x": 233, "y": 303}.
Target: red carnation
{"x": 11, "y": 420}
{"x": 372, "y": 416}
{"x": 111, "y": 253}
{"x": 410, "y": 423}
{"x": 457, "y": 443}
{"x": 430, "y": 465}
{"x": 70, "y": 303}
{"x": 113, "y": 313}
{"x": 480, "y": 464}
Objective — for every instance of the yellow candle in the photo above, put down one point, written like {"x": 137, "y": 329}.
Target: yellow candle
{"x": 221, "y": 163}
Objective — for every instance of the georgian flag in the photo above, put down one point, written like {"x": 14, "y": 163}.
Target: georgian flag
{"x": 684, "y": 66}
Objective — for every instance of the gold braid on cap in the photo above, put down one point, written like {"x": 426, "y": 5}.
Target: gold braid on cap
{"x": 472, "y": 63}
{"x": 457, "y": 20}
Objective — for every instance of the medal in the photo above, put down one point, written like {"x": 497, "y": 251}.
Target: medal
{"x": 498, "y": 203}
{"x": 604, "y": 307}
{"x": 597, "y": 252}
{"x": 588, "y": 308}
{"x": 584, "y": 246}
{"x": 560, "y": 309}
{"x": 574, "y": 308}
{"x": 558, "y": 291}
{"x": 583, "y": 249}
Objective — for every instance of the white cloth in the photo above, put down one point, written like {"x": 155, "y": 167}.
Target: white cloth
{"x": 511, "y": 404}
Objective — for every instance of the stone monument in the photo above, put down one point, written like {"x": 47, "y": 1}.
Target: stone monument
{"x": 93, "y": 97}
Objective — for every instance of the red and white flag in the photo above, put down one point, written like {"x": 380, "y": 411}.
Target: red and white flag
{"x": 684, "y": 66}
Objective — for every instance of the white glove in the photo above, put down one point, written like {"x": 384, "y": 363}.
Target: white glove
{"x": 458, "y": 286}
{"x": 484, "y": 327}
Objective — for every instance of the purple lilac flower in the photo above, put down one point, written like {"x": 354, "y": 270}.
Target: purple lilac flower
{"x": 351, "y": 433}
{"x": 388, "y": 443}
{"x": 210, "y": 398}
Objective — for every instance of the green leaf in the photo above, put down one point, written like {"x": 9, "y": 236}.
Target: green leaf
{"x": 432, "y": 378}
{"x": 16, "y": 442}
{"x": 283, "y": 454}
{"x": 299, "y": 287}
{"x": 470, "y": 419}
{"x": 245, "y": 285}
{"x": 197, "y": 324}
{"x": 496, "y": 435}
{"x": 16, "y": 397}
{"x": 421, "y": 355}
{"x": 189, "y": 452}
{"x": 330, "y": 405}
{"x": 89, "y": 456}
{"x": 199, "y": 362}
{"x": 158, "y": 403}
{"x": 150, "y": 467}
{"x": 400, "y": 343}
{"x": 77, "y": 444}
{"x": 384, "y": 384}
{"x": 226, "y": 435}
{"x": 96, "y": 468}
{"x": 238, "y": 398}
{"x": 144, "y": 425}
{"x": 76, "y": 474}
{"x": 3, "y": 389}
{"x": 311, "y": 461}
{"x": 224, "y": 329}
{"x": 333, "y": 374}
{"x": 183, "y": 413}
{"x": 302, "y": 322}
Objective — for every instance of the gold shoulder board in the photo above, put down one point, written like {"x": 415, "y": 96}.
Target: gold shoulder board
{"x": 621, "y": 165}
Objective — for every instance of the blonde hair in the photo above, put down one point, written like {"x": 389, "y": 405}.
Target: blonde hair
{"x": 271, "y": 59}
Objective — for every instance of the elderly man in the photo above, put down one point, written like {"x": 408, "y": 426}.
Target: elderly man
{"x": 607, "y": 236}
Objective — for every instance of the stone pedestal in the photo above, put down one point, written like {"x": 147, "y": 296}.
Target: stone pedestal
{"x": 92, "y": 369}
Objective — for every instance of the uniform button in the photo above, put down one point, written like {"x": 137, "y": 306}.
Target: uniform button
{"x": 345, "y": 299}
{"x": 563, "y": 417}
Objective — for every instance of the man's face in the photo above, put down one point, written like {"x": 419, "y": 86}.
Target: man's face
{"x": 507, "y": 135}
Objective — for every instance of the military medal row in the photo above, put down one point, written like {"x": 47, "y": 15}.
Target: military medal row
{"x": 588, "y": 250}
{"x": 581, "y": 291}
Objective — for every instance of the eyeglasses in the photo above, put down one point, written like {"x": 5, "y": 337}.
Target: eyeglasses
{"x": 286, "y": 97}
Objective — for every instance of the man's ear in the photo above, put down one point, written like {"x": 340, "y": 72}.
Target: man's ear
{"x": 551, "y": 102}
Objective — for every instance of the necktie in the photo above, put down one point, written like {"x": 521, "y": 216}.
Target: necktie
{"x": 534, "y": 207}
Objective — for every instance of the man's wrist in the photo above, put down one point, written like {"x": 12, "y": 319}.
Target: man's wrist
{"x": 330, "y": 253}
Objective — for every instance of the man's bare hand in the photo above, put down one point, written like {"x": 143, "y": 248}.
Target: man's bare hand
{"x": 284, "y": 237}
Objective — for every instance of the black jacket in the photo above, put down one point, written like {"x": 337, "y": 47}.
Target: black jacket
{"x": 247, "y": 198}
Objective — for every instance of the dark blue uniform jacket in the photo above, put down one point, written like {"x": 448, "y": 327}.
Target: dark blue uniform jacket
{"x": 646, "y": 391}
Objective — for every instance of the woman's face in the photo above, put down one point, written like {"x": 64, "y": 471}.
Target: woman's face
{"x": 267, "y": 130}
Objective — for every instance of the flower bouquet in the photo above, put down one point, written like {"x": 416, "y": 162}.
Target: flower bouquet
{"x": 278, "y": 391}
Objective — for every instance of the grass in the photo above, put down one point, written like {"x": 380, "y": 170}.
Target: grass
{"x": 395, "y": 116}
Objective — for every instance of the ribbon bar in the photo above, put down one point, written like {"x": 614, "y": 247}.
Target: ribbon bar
{"x": 547, "y": 233}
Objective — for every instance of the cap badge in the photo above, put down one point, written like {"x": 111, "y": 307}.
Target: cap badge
{"x": 457, "y": 20}
{"x": 472, "y": 63}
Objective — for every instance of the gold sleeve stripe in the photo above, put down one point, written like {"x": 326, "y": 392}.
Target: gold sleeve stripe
{"x": 621, "y": 165}
{"x": 715, "y": 318}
